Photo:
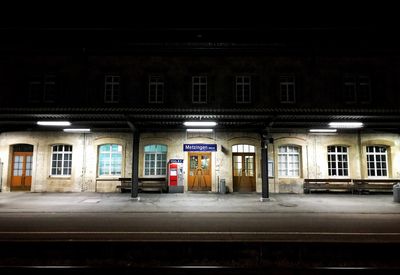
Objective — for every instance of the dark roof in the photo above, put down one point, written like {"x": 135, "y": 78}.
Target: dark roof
{"x": 151, "y": 119}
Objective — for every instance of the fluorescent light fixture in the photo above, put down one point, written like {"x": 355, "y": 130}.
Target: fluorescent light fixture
{"x": 200, "y": 123}
{"x": 77, "y": 130}
{"x": 323, "y": 130}
{"x": 54, "y": 123}
{"x": 346, "y": 124}
{"x": 204, "y": 130}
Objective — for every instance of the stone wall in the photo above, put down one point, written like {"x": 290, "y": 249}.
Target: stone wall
{"x": 84, "y": 176}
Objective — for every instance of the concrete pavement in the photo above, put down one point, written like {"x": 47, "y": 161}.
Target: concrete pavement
{"x": 193, "y": 202}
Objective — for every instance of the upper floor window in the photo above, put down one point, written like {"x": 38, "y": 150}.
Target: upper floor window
{"x": 42, "y": 88}
{"x": 61, "y": 160}
{"x": 289, "y": 161}
{"x": 110, "y": 160}
{"x": 199, "y": 89}
{"x": 156, "y": 89}
{"x": 287, "y": 89}
{"x": 357, "y": 89}
{"x": 338, "y": 161}
{"x": 155, "y": 160}
{"x": 111, "y": 88}
{"x": 243, "y": 89}
{"x": 377, "y": 161}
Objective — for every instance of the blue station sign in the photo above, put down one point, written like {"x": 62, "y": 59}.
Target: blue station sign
{"x": 176, "y": 161}
{"x": 200, "y": 147}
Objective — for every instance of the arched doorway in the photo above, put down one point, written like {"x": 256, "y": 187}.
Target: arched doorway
{"x": 199, "y": 178}
{"x": 244, "y": 170}
{"x": 21, "y": 169}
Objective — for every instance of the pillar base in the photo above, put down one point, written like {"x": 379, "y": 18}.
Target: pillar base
{"x": 265, "y": 199}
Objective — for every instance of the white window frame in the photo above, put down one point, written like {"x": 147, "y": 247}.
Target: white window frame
{"x": 288, "y": 154}
{"x": 285, "y": 82}
{"x": 43, "y": 82}
{"x": 119, "y": 150}
{"x": 156, "y": 154}
{"x": 336, "y": 155}
{"x": 364, "y": 84}
{"x": 111, "y": 92}
{"x": 64, "y": 155}
{"x": 49, "y": 81}
{"x": 243, "y": 148}
{"x": 156, "y": 82}
{"x": 241, "y": 90}
{"x": 355, "y": 84}
{"x": 199, "y": 86}
{"x": 374, "y": 155}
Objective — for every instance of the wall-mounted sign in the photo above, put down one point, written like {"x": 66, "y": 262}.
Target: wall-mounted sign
{"x": 176, "y": 161}
{"x": 200, "y": 147}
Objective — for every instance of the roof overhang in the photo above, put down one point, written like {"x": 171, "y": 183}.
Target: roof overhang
{"x": 166, "y": 119}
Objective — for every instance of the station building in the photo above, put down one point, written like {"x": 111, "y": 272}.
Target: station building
{"x": 271, "y": 106}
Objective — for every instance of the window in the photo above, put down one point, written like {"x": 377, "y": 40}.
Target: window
{"x": 156, "y": 89}
{"x": 287, "y": 89}
{"x": 289, "y": 161}
{"x": 110, "y": 160}
{"x": 357, "y": 89}
{"x": 199, "y": 89}
{"x": 112, "y": 88}
{"x": 243, "y": 148}
{"x": 155, "y": 160}
{"x": 42, "y": 88}
{"x": 61, "y": 160}
{"x": 243, "y": 89}
{"x": 270, "y": 168}
{"x": 338, "y": 164}
{"x": 377, "y": 161}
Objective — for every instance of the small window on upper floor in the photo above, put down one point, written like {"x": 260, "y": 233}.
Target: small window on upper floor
{"x": 156, "y": 89}
{"x": 42, "y": 88}
{"x": 287, "y": 88}
{"x": 112, "y": 85}
{"x": 199, "y": 89}
{"x": 357, "y": 89}
{"x": 243, "y": 89}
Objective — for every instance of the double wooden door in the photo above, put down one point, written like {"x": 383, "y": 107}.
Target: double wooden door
{"x": 199, "y": 178}
{"x": 244, "y": 173}
{"x": 21, "y": 177}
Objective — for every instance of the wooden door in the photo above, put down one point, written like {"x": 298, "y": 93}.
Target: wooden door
{"x": 199, "y": 178}
{"x": 244, "y": 179}
{"x": 21, "y": 176}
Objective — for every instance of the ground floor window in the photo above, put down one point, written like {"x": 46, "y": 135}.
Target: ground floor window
{"x": 155, "y": 160}
{"x": 61, "y": 160}
{"x": 377, "y": 161}
{"x": 289, "y": 161}
{"x": 338, "y": 161}
{"x": 110, "y": 160}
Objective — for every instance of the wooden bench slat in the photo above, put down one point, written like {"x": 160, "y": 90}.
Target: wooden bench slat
{"x": 144, "y": 184}
{"x": 327, "y": 184}
{"x": 351, "y": 184}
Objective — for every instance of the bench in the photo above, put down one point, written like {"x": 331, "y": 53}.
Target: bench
{"x": 378, "y": 185}
{"x": 144, "y": 184}
{"x": 327, "y": 185}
